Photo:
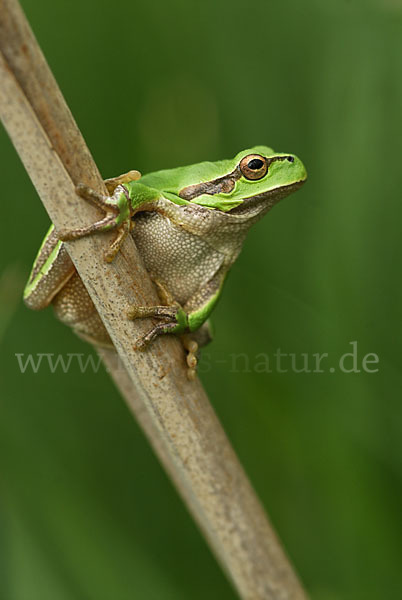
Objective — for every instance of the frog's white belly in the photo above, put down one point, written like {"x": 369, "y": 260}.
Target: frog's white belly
{"x": 182, "y": 261}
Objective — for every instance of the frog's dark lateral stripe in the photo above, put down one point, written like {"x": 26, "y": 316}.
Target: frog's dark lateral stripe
{"x": 221, "y": 185}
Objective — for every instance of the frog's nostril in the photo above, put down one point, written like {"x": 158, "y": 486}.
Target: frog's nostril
{"x": 291, "y": 159}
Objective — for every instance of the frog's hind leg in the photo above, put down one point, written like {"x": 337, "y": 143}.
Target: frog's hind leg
{"x": 192, "y": 342}
{"x": 51, "y": 270}
{"x": 191, "y": 347}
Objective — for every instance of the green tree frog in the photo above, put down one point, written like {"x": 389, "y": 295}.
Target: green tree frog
{"x": 189, "y": 225}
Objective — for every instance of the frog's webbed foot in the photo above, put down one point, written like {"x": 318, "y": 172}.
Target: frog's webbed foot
{"x": 117, "y": 208}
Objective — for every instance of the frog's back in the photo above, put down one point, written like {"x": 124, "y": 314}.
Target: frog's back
{"x": 173, "y": 180}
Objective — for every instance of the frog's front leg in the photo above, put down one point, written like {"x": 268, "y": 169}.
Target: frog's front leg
{"x": 175, "y": 321}
{"x": 182, "y": 321}
{"x": 119, "y": 208}
{"x": 112, "y": 183}
{"x": 118, "y": 216}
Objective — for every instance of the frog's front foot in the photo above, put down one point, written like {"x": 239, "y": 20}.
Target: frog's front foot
{"x": 175, "y": 321}
{"x": 118, "y": 216}
{"x": 167, "y": 313}
{"x": 113, "y": 182}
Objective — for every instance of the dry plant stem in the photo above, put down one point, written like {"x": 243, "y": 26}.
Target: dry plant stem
{"x": 174, "y": 412}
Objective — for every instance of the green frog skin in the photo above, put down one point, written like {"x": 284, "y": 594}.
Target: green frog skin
{"x": 189, "y": 225}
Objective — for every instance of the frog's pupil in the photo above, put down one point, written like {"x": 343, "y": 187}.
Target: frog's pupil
{"x": 255, "y": 164}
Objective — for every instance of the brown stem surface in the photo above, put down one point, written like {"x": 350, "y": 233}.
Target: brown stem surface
{"x": 174, "y": 413}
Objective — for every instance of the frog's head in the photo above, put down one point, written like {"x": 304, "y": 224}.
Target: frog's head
{"x": 253, "y": 181}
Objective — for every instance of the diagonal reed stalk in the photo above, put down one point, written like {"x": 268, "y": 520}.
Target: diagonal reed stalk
{"x": 174, "y": 413}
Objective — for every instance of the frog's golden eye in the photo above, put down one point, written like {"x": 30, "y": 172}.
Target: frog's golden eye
{"x": 254, "y": 166}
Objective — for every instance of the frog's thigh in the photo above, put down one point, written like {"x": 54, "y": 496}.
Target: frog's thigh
{"x": 52, "y": 269}
{"x": 74, "y": 307}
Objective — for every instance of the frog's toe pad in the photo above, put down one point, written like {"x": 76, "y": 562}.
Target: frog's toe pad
{"x": 192, "y": 374}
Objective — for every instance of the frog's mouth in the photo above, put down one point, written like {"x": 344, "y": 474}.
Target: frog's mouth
{"x": 266, "y": 200}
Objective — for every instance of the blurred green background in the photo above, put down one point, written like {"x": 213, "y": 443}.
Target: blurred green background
{"x": 85, "y": 510}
